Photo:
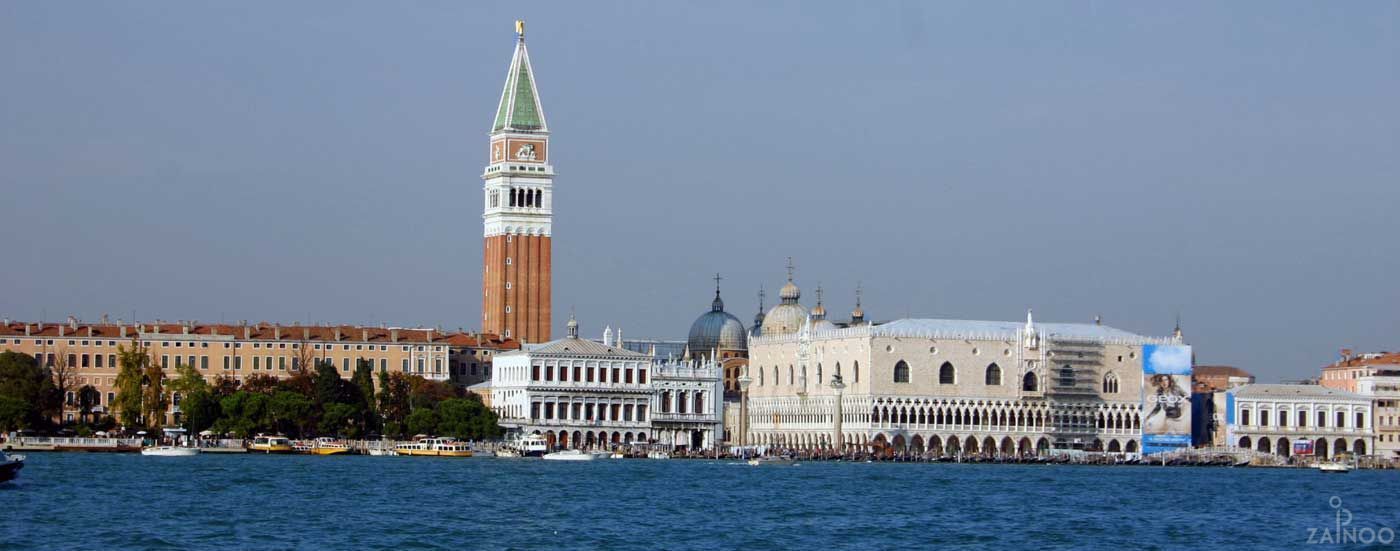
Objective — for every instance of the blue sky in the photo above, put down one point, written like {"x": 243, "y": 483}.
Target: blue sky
{"x": 1231, "y": 162}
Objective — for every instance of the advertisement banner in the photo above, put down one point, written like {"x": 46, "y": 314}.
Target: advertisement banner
{"x": 1166, "y": 397}
{"x": 1303, "y": 447}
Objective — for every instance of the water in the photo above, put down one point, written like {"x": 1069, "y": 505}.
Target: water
{"x": 123, "y": 501}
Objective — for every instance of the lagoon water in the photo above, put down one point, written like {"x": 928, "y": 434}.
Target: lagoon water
{"x": 107, "y": 501}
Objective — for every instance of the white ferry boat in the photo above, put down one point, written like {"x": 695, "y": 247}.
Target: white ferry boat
{"x": 436, "y": 447}
{"x": 10, "y": 466}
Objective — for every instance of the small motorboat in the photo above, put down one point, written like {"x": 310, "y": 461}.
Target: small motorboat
{"x": 169, "y": 451}
{"x": 570, "y": 455}
{"x": 617, "y": 455}
{"x": 772, "y": 460}
{"x": 1333, "y": 467}
{"x": 10, "y": 466}
{"x": 658, "y": 455}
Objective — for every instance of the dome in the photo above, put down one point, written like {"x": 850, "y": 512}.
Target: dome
{"x": 784, "y": 319}
{"x": 789, "y": 292}
{"x": 822, "y": 325}
{"x": 717, "y": 330}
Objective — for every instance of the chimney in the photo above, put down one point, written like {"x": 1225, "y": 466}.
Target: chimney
{"x": 247, "y": 332}
{"x": 185, "y": 329}
{"x": 73, "y": 323}
{"x": 89, "y": 328}
{"x": 26, "y": 330}
{"x": 123, "y": 331}
{"x": 105, "y": 319}
{"x": 277, "y": 331}
{"x": 60, "y": 330}
{"x": 156, "y": 328}
{"x": 430, "y": 335}
{"x": 364, "y": 335}
{"x": 393, "y": 335}
{"x": 306, "y": 333}
{"x": 337, "y": 334}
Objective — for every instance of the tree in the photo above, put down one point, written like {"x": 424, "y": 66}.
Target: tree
{"x": 132, "y": 362}
{"x": 422, "y": 421}
{"x": 87, "y": 399}
{"x": 200, "y": 410}
{"x": 364, "y": 380}
{"x": 467, "y": 419}
{"x": 336, "y": 419}
{"x": 14, "y": 413}
{"x": 28, "y": 391}
{"x": 291, "y": 410}
{"x": 245, "y": 413}
{"x": 187, "y": 380}
{"x": 154, "y": 400}
{"x": 224, "y": 386}
{"x": 261, "y": 383}
{"x": 425, "y": 394}
{"x": 394, "y": 404}
{"x": 327, "y": 383}
{"x": 65, "y": 377}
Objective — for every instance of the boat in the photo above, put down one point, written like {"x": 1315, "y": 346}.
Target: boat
{"x": 530, "y": 445}
{"x": 303, "y": 446}
{"x": 435, "y": 447}
{"x": 773, "y": 461}
{"x": 383, "y": 452}
{"x": 658, "y": 455}
{"x": 270, "y": 444}
{"x": 329, "y": 446}
{"x": 1334, "y": 467}
{"x": 169, "y": 451}
{"x": 571, "y": 455}
{"x": 10, "y": 466}
{"x": 617, "y": 455}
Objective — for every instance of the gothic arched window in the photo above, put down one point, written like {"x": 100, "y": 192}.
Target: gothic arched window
{"x": 947, "y": 375}
{"x": 1028, "y": 384}
{"x": 901, "y": 372}
{"x": 993, "y": 375}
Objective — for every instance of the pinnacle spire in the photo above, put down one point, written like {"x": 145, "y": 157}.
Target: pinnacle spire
{"x": 520, "y": 109}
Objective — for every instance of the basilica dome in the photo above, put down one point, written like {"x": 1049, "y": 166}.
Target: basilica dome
{"x": 787, "y": 317}
{"x": 717, "y": 330}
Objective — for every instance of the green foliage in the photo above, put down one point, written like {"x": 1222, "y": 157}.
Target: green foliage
{"x": 292, "y": 412}
{"x": 187, "y": 380}
{"x": 245, "y": 414}
{"x": 14, "y": 413}
{"x": 336, "y": 419}
{"x": 200, "y": 410}
{"x": 133, "y": 362}
{"x": 422, "y": 421}
{"x": 467, "y": 419}
{"x": 154, "y": 400}
{"x": 364, "y": 380}
{"x": 88, "y": 396}
{"x": 29, "y": 392}
{"x": 394, "y": 390}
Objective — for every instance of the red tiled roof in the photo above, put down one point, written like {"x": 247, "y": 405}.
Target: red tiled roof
{"x": 264, "y": 331}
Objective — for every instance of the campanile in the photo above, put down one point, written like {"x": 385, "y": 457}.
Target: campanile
{"x": 519, "y": 210}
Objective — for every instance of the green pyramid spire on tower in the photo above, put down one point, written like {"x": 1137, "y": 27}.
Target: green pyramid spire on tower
{"x": 520, "y": 109}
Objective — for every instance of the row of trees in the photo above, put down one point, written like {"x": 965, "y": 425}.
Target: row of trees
{"x": 309, "y": 403}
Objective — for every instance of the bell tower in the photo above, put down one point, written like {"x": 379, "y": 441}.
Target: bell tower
{"x": 518, "y": 217}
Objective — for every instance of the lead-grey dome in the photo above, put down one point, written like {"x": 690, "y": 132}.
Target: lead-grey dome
{"x": 717, "y": 330}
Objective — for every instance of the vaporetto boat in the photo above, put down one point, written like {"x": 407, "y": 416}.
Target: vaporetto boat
{"x": 270, "y": 444}
{"x": 435, "y": 447}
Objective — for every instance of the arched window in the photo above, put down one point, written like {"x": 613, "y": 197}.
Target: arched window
{"x": 946, "y": 374}
{"x": 792, "y": 380}
{"x": 1028, "y": 383}
{"x": 993, "y": 375}
{"x": 1110, "y": 384}
{"x": 819, "y": 374}
{"x": 1244, "y": 417}
{"x": 760, "y": 376}
{"x": 855, "y": 370}
{"x": 901, "y": 372}
{"x": 838, "y": 369}
{"x": 1066, "y": 376}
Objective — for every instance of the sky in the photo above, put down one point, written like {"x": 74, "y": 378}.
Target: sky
{"x": 1236, "y": 164}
